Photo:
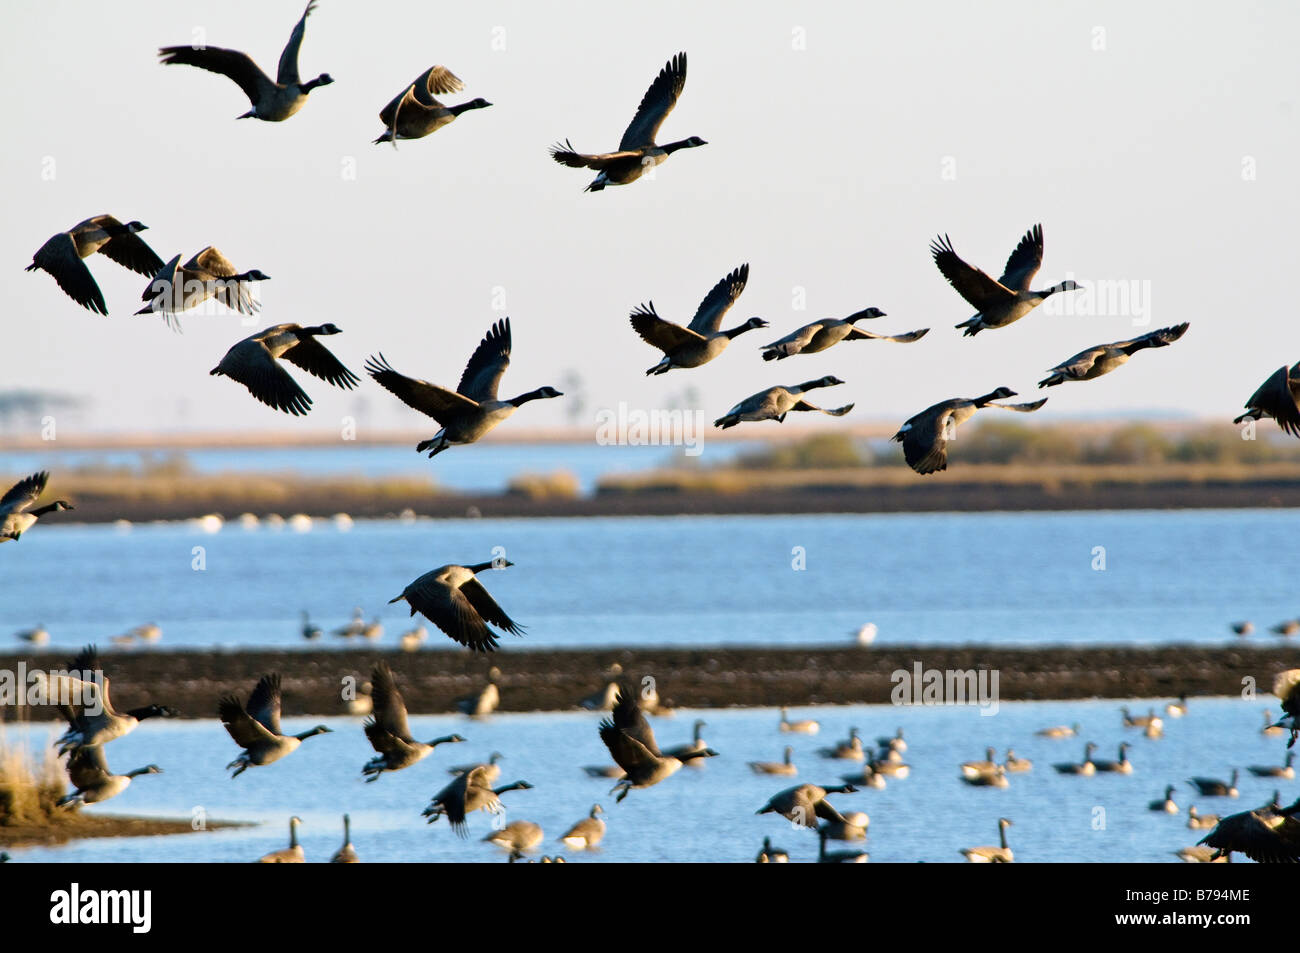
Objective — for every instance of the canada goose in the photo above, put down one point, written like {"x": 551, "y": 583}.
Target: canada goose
{"x": 254, "y": 362}
{"x": 1270, "y": 728}
{"x": 1266, "y": 835}
{"x": 852, "y": 828}
{"x": 148, "y": 632}
{"x": 86, "y": 676}
{"x": 61, "y": 257}
{"x": 1122, "y": 766}
{"x": 414, "y": 113}
{"x": 1177, "y": 709}
{"x": 310, "y": 631}
{"x": 1279, "y": 398}
{"x": 209, "y": 274}
{"x": 373, "y": 631}
{"x": 353, "y": 628}
{"x": 866, "y": 633}
{"x": 784, "y": 767}
{"x": 517, "y": 835}
{"x": 37, "y": 636}
{"x": 925, "y": 436}
{"x": 804, "y": 803}
{"x": 997, "y": 778}
{"x": 482, "y": 702}
{"x": 837, "y": 856}
{"x": 1155, "y": 729}
{"x": 1000, "y": 302}
{"x": 637, "y": 151}
{"x": 272, "y": 101}
{"x": 256, "y": 727}
{"x": 884, "y": 766}
{"x": 389, "y": 732}
{"x": 602, "y": 700}
{"x": 695, "y": 744}
{"x": 15, "y": 517}
{"x": 472, "y": 409}
{"x": 848, "y": 750}
{"x": 775, "y": 402}
{"x": 1243, "y": 628}
{"x": 896, "y": 743}
{"x": 1104, "y": 358}
{"x": 1288, "y": 628}
{"x": 89, "y": 774}
{"x": 867, "y": 777}
{"x": 1210, "y": 787}
{"x": 772, "y": 855}
{"x": 631, "y": 744}
{"x": 1286, "y": 686}
{"x": 361, "y": 703}
{"x": 1200, "y": 855}
{"x": 1165, "y": 804}
{"x": 455, "y": 601}
{"x": 990, "y": 763}
{"x": 588, "y": 832}
{"x": 1197, "y": 820}
{"x": 467, "y": 793}
{"x": 1086, "y": 767}
{"x": 1016, "y": 765}
{"x": 288, "y": 855}
{"x": 804, "y": 727}
{"x": 1284, "y": 770}
{"x": 347, "y": 854}
{"x": 992, "y": 855}
{"x": 491, "y": 768}
{"x": 1138, "y": 721}
{"x": 819, "y": 335}
{"x": 1059, "y": 731}
{"x": 413, "y": 638}
{"x": 703, "y": 339}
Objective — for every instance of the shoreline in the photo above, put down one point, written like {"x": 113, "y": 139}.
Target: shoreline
{"x": 81, "y": 826}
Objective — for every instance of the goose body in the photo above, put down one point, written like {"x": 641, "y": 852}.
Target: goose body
{"x": 848, "y": 750}
{"x": 1278, "y": 398}
{"x": 1284, "y": 770}
{"x": 413, "y": 638}
{"x": 481, "y": 703}
{"x": 772, "y": 855}
{"x": 16, "y": 513}
{"x": 852, "y": 828}
{"x": 925, "y": 437}
{"x": 588, "y": 832}
{"x": 1177, "y": 709}
{"x": 1211, "y": 787}
{"x": 1165, "y": 804}
{"x": 310, "y": 631}
{"x": 997, "y": 778}
{"x": 61, "y": 257}
{"x": 784, "y": 767}
{"x": 1059, "y": 731}
{"x": 255, "y": 363}
{"x": 1122, "y": 766}
{"x": 896, "y": 743}
{"x": 389, "y": 732}
{"x": 972, "y": 768}
{"x": 1200, "y": 855}
{"x": 805, "y": 726}
{"x": 491, "y": 768}
{"x": 93, "y": 782}
{"x": 827, "y": 332}
{"x": 1095, "y": 361}
{"x": 631, "y": 743}
{"x": 452, "y": 598}
{"x": 992, "y": 855}
{"x": 1199, "y": 821}
{"x": 208, "y": 275}
{"x": 517, "y": 835}
{"x": 1268, "y": 834}
{"x": 346, "y": 854}
{"x": 289, "y": 855}
{"x": 804, "y": 804}
{"x": 1016, "y": 765}
{"x": 703, "y": 339}
{"x": 256, "y": 727}
{"x": 98, "y": 722}
{"x": 467, "y": 793}
{"x": 37, "y": 636}
{"x": 775, "y": 402}
{"x": 416, "y": 112}
{"x": 1086, "y": 767}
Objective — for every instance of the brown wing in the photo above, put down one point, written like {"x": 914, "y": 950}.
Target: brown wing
{"x": 24, "y": 493}
{"x": 1025, "y": 261}
{"x": 857, "y": 334}
{"x": 315, "y": 358}
{"x": 421, "y": 92}
{"x": 487, "y": 607}
{"x": 487, "y": 364}
{"x": 451, "y": 612}
{"x": 437, "y": 402}
{"x": 708, "y": 316}
{"x": 229, "y": 63}
{"x": 250, "y": 363}
{"x": 565, "y": 155}
{"x": 243, "y": 728}
{"x": 389, "y": 707}
{"x": 87, "y": 767}
{"x": 979, "y": 290}
{"x": 264, "y": 702}
{"x": 629, "y": 719}
{"x": 662, "y": 334}
{"x": 128, "y": 249}
{"x": 656, "y": 104}
{"x": 58, "y": 257}
{"x": 925, "y": 446}
{"x": 287, "y": 72}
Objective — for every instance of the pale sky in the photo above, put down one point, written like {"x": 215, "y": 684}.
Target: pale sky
{"x": 1158, "y": 144}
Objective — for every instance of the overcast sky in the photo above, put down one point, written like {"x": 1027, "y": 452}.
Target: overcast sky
{"x": 1156, "y": 142}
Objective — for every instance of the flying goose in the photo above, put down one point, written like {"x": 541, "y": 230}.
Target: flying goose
{"x": 992, "y": 855}
{"x": 1104, "y": 358}
{"x": 1166, "y": 803}
{"x": 1279, "y": 398}
{"x": 805, "y": 726}
{"x": 827, "y": 332}
{"x": 347, "y": 854}
{"x": 92, "y": 720}
{"x": 256, "y": 727}
{"x": 702, "y": 340}
{"x": 784, "y": 767}
{"x": 491, "y": 768}
{"x": 61, "y": 257}
{"x": 695, "y": 744}
{"x": 414, "y": 113}
{"x": 1000, "y": 302}
{"x": 1059, "y": 731}
{"x": 469, "y": 792}
{"x": 804, "y": 803}
{"x": 837, "y": 856}
{"x": 455, "y": 601}
{"x": 1284, "y": 770}
{"x": 388, "y": 730}
{"x": 637, "y": 151}
{"x": 209, "y": 274}
{"x": 1199, "y": 821}
{"x": 517, "y": 835}
{"x": 254, "y": 362}
{"x": 272, "y": 101}
{"x": 1016, "y": 765}
{"x": 287, "y": 855}
{"x": 972, "y": 768}
{"x": 775, "y": 402}
{"x": 772, "y": 855}
{"x": 925, "y": 437}
{"x": 588, "y": 832}
{"x": 1122, "y": 766}
{"x": 1211, "y": 787}
{"x": 1086, "y": 767}
{"x": 631, "y": 743}
{"x": 89, "y": 774}
{"x": 997, "y": 778}
{"x": 847, "y": 750}
{"x": 15, "y": 517}
{"x": 1286, "y": 686}
{"x": 472, "y": 409}
{"x": 1266, "y": 835}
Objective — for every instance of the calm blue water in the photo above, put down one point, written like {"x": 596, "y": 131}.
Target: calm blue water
{"x": 998, "y": 578}
{"x": 702, "y": 814}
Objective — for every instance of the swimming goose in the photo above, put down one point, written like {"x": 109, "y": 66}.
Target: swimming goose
{"x": 925, "y": 437}
{"x": 469, "y": 792}
{"x": 347, "y": 854}
{"x": 702, "y": 340}
{"x": 1016, "y": 765}
{"x": 785, "y": 767}
{"x": 455, "y": 601}
{"x": 885, "y": 765}
{"x": 15, "y": 517}
{"x": 896, "y": 743}
{"x": 588, "y": 832}
{"x": 360, "y": 704}
{"x": 1243, "y": 628}
{"x": 1271, "y": 729}
{"x": 804, "y": 727}
{"x": 37, "y": 636}
{"x": 491, "y": 768}
{"x": 209, "y": 274}
{"x": 1059, "y": 731}
{"x": 848, "y": 750}
{"x": 1288, "y": 628}
{"x": 389, "y": 732}
{"x": 972, "y": 768}
{"x": 1286, "y": 686}
{"x": 868, "y": 776}
{"x": 1138, "y": 721}
{"x": 992, "y": 855}
{"x": 89, "y": 774}
{"x": 1155, "y": 728}
{"x": 819, "y": 335}
{"x": 1177, "y": 709}
{"x": 256, "y": 728}
{"x": 1165, "y": 804}
{"x": 1122, "y": 766}
{"x": 93, "y": 693}
{"x": 1211, "y": 787}
{"x": 413, "y": 638}
{"x": 804, "y": 803}
{"x": 866, "y": 633}
{"x": 1284, "y": 770}
{"x": 1200, "y": 855}
{"x": 472, "y": 409}
{"x": 602, "y": 700}
{"x": 631, "y": 743}
{"x": 772, "y": 855}
{"x": 837, "y": 856}
{"x": 517, "y": 835}
{"x": 310, "y": 631}
{"x": 1266, "y": 835}
{"x": 637, "y": 151}
{"x": 272, "y": 101}
{"x": 1104, "y": 358}
{"x": 1197, "y": 820}
{"x": 61, "y": 257}
{"x": 414, "y": 113}
{"x": 997, "y": 778}
{"x": 1086, "y": 767}
{"x": 1279, "y": 398}
{"x": 695, "y": 744}
{"x": 1008, "y": 299}
{"x": 254, "y": 362}
{"x": 288, "y": 855}
{"x": 353, "y": 628}
{"x": 775, "y": 402}
{"x": 483, "y": 702}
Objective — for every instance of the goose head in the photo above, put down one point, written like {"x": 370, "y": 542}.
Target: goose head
{"x": 327, "y": 328}
{"x": 133, "y": 227}
{"x": 255, "y": 274}
{"x": 318, "y": 730}
{"x": 324, "y": 79}
{"x": 147, "y": 769}
{"x": 479, "y": 103}
{"x": 868, "y": 313}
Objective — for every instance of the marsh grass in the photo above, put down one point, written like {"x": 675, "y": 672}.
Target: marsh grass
{"x": 30, "y": 786}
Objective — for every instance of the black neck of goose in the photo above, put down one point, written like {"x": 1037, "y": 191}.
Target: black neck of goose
{"x": 441, "y": 741}
{"x": 464, "y": 107}
{"x": 319, "y": 729}
{"x": 672, "y": 147}
{"x": 986, "y": 399}
{"x": 42, "y": 510}
{"x": 148, "y": 711}
{"x": 311, "y": 84}
{"x": 138, "y": 771}
{"x": 1002, "y": 835}
{"x": 479, "y": 567}
{"x": 692, "y": 755}
{"x": 813, "y": 385}
{"x": 293, "y": 834}
{"x": 515, "y": 786}
{"x": 736, "y": 332}
{"x": 525, "y": 398}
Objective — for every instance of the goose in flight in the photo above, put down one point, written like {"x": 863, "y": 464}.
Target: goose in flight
{"x": 702, "y": 340}
{"x": 254, "y": 362}
{"x": 272, "y": 100}
{"x": 1104, "y": 358}
{"x": 804, "y": 803}
{"x": 827, "y": 332}
{"x": 415, "y": 112}
{"x": 91, "y": 717}
{"x": 89, "y": 774}
{"x": 472, "y": 409}
{"x": 637, "y": 151}
{"x": 467, "y": 793}
{"x": 1286, "y": 686}
{"x": 631, "y": 743}
{"x": 775, "y": 402}
{"x": 1008, "y": 299}
{"x": 256, "y": 728}
{"x": 1279, "y": 398}
{"x": 388, "y": 730}
{"x": 455, "y": 601}
{"x": 925, "y": 437}
{"x": 61, "y": 257}
{"x": 16, "y": 516}
{"x": 209, "y": 274}
{"x": 1267, "y": 834}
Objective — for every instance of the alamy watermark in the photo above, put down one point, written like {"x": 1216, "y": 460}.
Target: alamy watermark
{"x": 637, "y": 427}
{"x": 932, "y": 686}
{"x": 37, "y": 687}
